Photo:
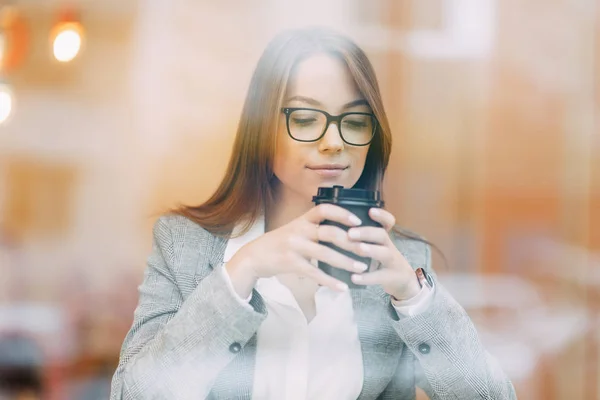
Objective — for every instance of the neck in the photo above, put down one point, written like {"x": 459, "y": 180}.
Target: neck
{"x": 286, "y": 207}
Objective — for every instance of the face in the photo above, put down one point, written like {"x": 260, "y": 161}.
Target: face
{"x": 320, "y": 82}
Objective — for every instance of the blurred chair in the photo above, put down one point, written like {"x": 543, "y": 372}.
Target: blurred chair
{"x": 35, "y": 345}
{"x": 21, "y": 367}
{"x": 513, "y": 320}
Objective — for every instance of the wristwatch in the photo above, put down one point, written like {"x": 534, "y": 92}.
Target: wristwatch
{"x": 424, "y": 278}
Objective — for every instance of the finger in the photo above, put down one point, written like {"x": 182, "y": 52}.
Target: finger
{"x": 385, "y": 218}
{"x": 370, "y": 234}
{"x": 312, "y": 250}
{"x": 331, "y": 212}
{"x": 383, "y": 254}
{"x": 320, "y": 277}
{"x": 383, "y": 277}
{"x": 337, "y": 236}
{"x": 311, "y": 231}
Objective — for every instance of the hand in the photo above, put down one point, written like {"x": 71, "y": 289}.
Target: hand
{"x": 290, "y": 249}
{"x": 395, "y": 275}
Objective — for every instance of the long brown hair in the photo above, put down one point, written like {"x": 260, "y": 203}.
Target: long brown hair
{"x": 247, "y": 187}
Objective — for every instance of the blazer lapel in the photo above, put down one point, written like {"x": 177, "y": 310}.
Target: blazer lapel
{"x": 216, "y": 250}
{"x": 380, "y": 343}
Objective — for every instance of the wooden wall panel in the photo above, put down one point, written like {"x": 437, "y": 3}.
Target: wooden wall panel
{"x": 39, "y": 198}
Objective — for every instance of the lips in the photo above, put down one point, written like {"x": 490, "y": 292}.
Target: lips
{"x": 327, "y": 167}
{"x": 328, "y": 170}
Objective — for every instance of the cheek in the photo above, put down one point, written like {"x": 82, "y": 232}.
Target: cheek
{"x": 359, "y": 159}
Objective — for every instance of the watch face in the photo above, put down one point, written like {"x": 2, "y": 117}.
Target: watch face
{"x": 424, "y": 276}
{"x": 428, "y": 277}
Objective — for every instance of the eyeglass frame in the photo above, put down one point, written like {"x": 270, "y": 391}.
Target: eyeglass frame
{"x": 287, "y": 111}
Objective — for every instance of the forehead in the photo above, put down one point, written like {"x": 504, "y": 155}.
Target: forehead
{"x": 324, "y": 78}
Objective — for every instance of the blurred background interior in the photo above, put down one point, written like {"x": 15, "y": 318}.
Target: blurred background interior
{"x": 111, "y": 111}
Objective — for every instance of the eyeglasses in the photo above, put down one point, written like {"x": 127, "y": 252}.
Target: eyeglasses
{"x": 310, "y": 125}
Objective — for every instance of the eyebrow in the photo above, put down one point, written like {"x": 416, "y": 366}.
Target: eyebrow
{"x": 355, "y": 103}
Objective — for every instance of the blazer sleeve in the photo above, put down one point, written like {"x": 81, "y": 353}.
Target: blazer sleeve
{"x": 175, "y": 347}
{"x": 450, "y": 361}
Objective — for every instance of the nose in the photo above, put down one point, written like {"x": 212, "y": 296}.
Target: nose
{"x": 331, "y": 142}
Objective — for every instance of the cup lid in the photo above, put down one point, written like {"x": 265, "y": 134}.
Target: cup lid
{"x": 338, "y": 194}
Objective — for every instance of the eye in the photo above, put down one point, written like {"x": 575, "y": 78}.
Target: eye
{"x": 304, "y": 121}
{"x": 304, "y": 118}
{"x": 357, "y": 122}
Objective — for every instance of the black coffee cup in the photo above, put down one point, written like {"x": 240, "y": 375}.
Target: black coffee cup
{"x": 358, "y": 202}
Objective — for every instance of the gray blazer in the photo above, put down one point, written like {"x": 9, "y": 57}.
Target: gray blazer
{"x": 192, "y": 339}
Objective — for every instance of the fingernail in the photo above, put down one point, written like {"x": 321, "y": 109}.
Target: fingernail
{"x": 355, "y": 220}
{"x": 375, "y": 211}
{"x": 357, "y": 278}
{"x": 354, "y": 234}
{"x": 341, "y": 286}
{"x": 364, "y": 248}
{"x": 362, "y": 267}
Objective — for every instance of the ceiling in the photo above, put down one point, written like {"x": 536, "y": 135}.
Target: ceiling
{"x": 98, "y": 8}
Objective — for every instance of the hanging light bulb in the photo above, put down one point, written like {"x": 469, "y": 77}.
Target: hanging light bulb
{"x": 67, "y": 37}
{"x": 14, "y": 38}
{"x": 67, "y": 44}
{"x": 6, "y": 102}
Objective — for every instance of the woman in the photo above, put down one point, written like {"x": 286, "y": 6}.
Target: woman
{"x": 232, "y": 305}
